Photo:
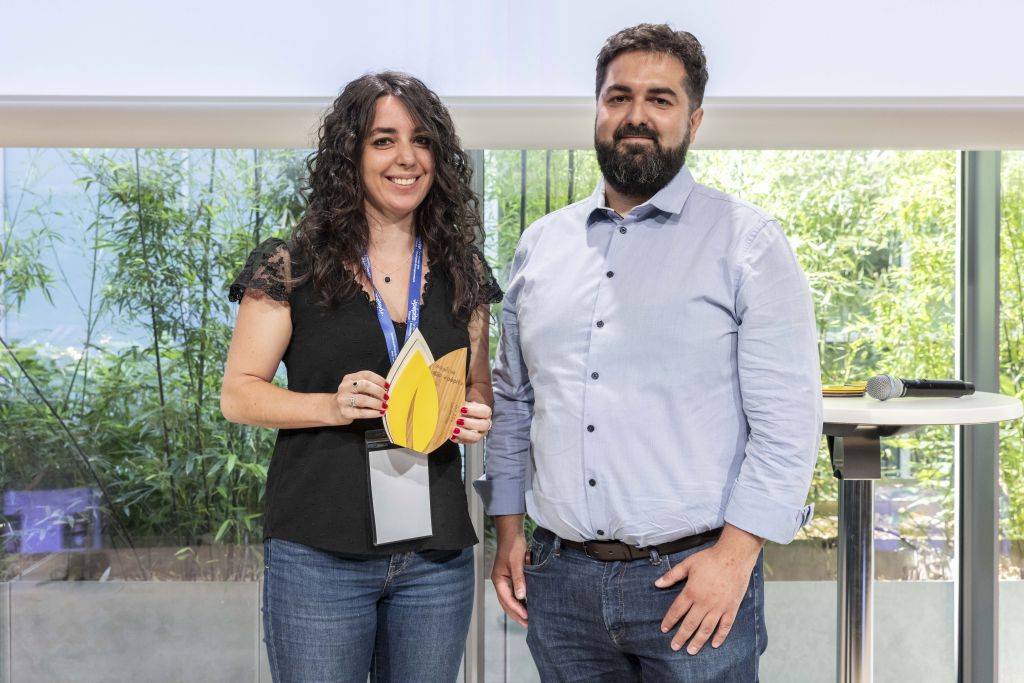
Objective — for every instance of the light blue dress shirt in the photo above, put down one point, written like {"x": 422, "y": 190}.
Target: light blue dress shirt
{"x": 657, "y": 373}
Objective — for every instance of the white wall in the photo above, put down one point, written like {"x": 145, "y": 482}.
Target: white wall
{"x": 517, "y": 73}
{"x": 512, "y": 48}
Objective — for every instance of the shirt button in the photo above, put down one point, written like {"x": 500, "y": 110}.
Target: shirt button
{"x": 592, "y": 482}
{"x": 594, "y": 375}
{"x": 622, "y": 229}
{"x": 610, "y": 273}
{"x": 600, "y": 323}
{"x": 590, "y": 428}
{"x": 600, "y": 532}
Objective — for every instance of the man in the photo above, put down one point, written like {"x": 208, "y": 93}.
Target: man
{"x": 657, "y": 400}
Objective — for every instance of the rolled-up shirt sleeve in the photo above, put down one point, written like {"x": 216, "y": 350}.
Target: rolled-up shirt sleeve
{"x": 503, "y": 486}
{"x": 780, "y": 385}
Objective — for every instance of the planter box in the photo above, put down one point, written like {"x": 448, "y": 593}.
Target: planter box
{"x": 157, "y": 632}
{"x": 169, "y": 632}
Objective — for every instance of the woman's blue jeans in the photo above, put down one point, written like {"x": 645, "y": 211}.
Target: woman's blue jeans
{"x": 331, "y": 618}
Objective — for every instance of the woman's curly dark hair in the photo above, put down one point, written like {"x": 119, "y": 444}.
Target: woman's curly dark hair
{"x": 333, "y": 233}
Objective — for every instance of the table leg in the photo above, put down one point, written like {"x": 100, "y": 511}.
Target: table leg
{"x": 856, "y": 462}
{"x": 856, "y": 574}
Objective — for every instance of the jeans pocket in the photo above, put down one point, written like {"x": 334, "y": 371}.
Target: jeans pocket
{"x": 541, "y": 552}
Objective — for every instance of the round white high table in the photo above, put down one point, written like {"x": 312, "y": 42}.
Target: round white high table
{"x": 853, "y": 427}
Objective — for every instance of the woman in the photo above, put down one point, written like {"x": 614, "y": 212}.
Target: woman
{"x": 389, "y": 187}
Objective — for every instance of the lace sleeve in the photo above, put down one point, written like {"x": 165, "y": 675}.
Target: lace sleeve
{"x": 267, "y": 269}
{"x": 490, "y": 290}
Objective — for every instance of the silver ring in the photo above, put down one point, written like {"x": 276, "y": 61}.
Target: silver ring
{"x": 352, "y": 400}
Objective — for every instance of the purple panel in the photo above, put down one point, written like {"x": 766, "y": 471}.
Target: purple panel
{"x": 53, "y": 520}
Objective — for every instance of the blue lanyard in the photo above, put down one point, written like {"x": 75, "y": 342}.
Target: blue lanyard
{"x": 383, "y": 317}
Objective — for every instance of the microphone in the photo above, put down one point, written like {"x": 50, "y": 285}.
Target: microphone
{"x": 884, "y": 387}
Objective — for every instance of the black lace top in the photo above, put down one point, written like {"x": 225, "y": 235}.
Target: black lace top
{"x": 317, "y": 485}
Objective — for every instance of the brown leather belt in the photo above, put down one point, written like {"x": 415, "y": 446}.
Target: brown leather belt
{"x": 617, "y": 551}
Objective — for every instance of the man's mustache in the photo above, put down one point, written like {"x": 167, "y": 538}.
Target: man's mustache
{"x": 631, "y": 131}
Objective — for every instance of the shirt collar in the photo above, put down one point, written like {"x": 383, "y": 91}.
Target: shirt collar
{"x": 668, "y": 200}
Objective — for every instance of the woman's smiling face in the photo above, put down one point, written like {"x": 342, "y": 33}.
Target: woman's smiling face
{"x": 397, "y": 165}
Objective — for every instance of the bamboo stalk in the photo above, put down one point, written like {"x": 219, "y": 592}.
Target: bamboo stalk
{"x": 156, "y": 340}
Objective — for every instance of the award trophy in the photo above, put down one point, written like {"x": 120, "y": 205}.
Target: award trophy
{"x": 425, "y": 395}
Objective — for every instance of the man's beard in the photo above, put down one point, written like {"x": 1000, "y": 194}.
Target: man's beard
{"x": 639, "y": 169}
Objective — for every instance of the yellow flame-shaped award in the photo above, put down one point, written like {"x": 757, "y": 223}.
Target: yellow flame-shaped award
{"x": 425, "y": 395}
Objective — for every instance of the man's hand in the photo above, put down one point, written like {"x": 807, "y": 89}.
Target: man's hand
{"x": 716, "y": 581}
{"x": 507, "y": 574}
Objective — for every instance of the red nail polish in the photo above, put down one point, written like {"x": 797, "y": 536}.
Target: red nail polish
{"x": 384, "y": 405}
{"x": 382, "y": 412}
{"x": 386, "y": 385}
{"x": 465, "y": 410}
{"x": 460, "y": 422}
{"x": 455, "y": 431}
{"x": 386, "y": 397}
{"x": 453, "y": 438}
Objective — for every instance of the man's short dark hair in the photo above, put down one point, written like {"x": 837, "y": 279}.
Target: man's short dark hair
{"x": 659, "y": 38}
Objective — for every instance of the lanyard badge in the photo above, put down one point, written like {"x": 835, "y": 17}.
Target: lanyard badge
{"x": 399, "y": 478}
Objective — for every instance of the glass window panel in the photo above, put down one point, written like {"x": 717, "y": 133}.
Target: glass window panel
{"x": 116, "y": 459}
{"x": 87, "y": 312}
{"x": 1011, "y": 434}
{"x": 875, "y": 231}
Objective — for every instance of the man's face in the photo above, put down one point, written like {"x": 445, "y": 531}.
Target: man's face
{"x": 644, "y": 125}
